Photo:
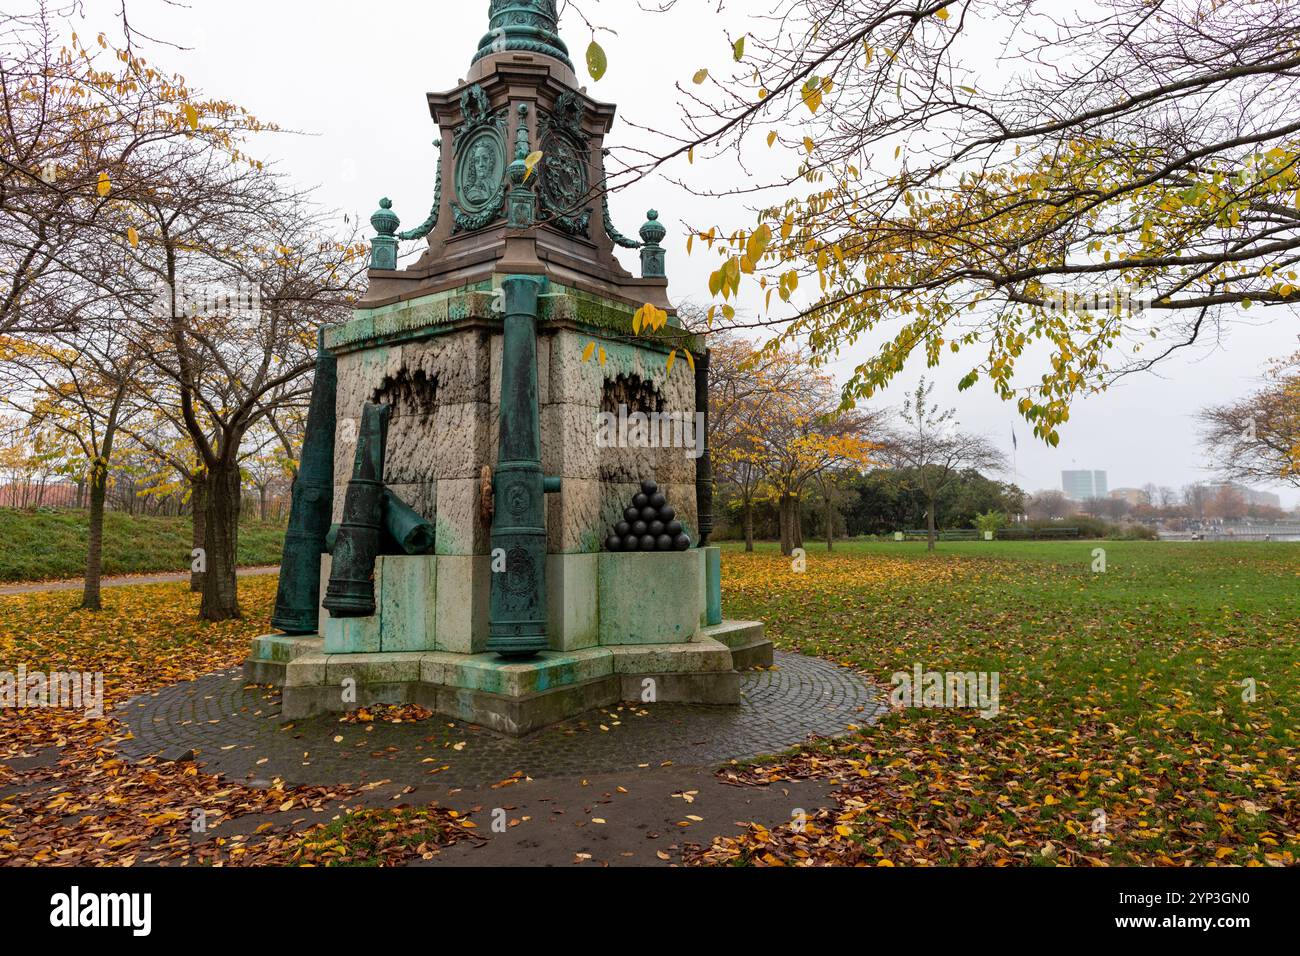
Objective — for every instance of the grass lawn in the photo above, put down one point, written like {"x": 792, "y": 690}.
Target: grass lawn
{"x": 51, "y": 543}
{"x": 1121, "y": 701}
{"x": 1120, "y": 694}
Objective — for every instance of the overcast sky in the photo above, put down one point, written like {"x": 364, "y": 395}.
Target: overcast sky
{"x": 352, "y": 77}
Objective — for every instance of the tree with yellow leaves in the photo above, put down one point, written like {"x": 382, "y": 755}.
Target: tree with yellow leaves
{"x": 1125, "y": 180}
{"x": 808, "y": 437}
{"x": 744, "y": 391}
{"x": 75, "y": 389}
{"x": 775, "y": 426}
{"x": 87, "y": 127}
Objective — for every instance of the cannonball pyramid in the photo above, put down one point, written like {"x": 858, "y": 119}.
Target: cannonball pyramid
{"x": 649, "y": 524}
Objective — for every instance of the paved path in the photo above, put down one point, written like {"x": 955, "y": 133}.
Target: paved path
{"x": 236, "y": 729}
{"x": 616, "y": 786}
{"x": 122, "y": 580}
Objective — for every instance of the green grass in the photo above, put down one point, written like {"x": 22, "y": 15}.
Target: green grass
{"x": 375, "y": 837}
{"x": 51, "y": 543}
{"x": 1120, "y": 691}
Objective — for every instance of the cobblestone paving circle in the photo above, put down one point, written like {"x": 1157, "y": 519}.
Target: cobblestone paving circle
{"x": 235, "y": 729}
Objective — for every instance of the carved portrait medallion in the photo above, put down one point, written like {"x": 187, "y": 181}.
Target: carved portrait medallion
{"x": 480, "y": 168}
{"x": 479, "y": 177}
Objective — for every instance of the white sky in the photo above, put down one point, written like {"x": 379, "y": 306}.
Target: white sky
{"x": 352, "y": 77}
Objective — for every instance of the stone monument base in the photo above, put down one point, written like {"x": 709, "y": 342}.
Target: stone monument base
{"x": 510, "y": 697}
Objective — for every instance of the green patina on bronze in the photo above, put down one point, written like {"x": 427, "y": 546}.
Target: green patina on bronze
{"x": 517, "y": 618}
{"x": 404, "y": 531}
{"x": 438, "y": 313}
{"x": 431, "y": 223}
{"x": 611, "y": 230}
{"x": 564, "y": 172}
{"x": 480, "y": 151}
{"x": 297, "y": 597}
{"x": 522, "y": 208}
{"x": 530, "y": 26}
{"x": 383, "y": 248}
{"x": 351, "y": 591}
{"x": 652, "y": 253}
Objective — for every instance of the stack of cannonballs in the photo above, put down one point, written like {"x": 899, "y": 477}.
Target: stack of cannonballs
{"x": 649, "y": 524}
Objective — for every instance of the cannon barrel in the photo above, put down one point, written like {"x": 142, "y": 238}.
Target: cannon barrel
{"x": 404, "y": 528}
{"x": 297, "y": 598}
{"x": 405, "y": 532}
{"x": 351, "y": 591}
{"x": 517, "y": 615}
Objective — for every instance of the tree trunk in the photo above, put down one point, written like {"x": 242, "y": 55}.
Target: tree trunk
{"x": 791, "y": 533}
{"x": 221, "y": 539}
{"x": 749, "y": 524}
{"x": 830, "y": 520}
{"x": 796, "y": 521}
{"x": 783, "y": 525}
{"x": 929, "y": 525}
{"x": 261, "y": 502}
{"x": 199, "y": 507}
{"x": 90, "y": 599}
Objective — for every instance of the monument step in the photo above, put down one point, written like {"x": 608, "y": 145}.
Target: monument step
{"x": 734, "y": 633}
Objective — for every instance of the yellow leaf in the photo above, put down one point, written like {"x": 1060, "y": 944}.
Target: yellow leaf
{"x": 191, "y": 116}
{"x": 530, "y": 163}
{"x": 597, "y": 62}
{"x": 690, "y": 358}
{"x": 700, "y": 77}
{"x": 587, "y": 352}
{"x": 601, "y": 356}
{"x": 738, "y": 49}
{"x": 771, "y": 138}
{"x": 132, "y": 236}
{"x": 672, "y": 357}
{"x": 104, "y": 185}
{"x": 942, "y": 14}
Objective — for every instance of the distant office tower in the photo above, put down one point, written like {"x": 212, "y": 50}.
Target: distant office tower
{"x": 1082, "y": 485}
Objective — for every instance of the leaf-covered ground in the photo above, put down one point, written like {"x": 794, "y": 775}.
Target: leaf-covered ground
{"x": 1121, "y": 702}
{"x": 1122, "y": 738}
{"x": 67, "y": 797}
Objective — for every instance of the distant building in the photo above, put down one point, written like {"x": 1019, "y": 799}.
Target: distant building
{"x": 42, "y": 493}
{"x": 1082, "y": 485}
{"x": 1134, "y": 496}
{"x": 1253, "y": 498}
